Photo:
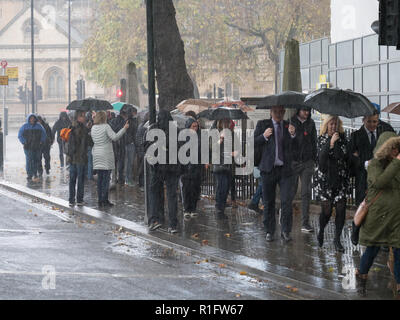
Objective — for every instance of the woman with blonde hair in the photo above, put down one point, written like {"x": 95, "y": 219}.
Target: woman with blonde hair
{"x": 381, "y": 226}
{"x": 331, "y": 177}
{"x": 103, "y": 154}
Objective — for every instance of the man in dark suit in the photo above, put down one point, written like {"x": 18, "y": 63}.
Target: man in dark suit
{"x": 273, "y": 140}
{"x": 362, "y": 144}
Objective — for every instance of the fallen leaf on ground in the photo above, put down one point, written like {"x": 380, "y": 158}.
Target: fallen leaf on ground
{"x": 30, "y": 210}
{"x": 331, "y": 269}
{"x": 195, "y": 236}
{"x": 289, "y": 287}
{"x": 222, "y": 265}
{"x": 228, "y": 235}
{"x": 294, "y": 289}
{"x": 92, "y": 222}
{"x": 204, "y": 242}
{"x": 238, "y": 295}
{"x": 243, "y": 273}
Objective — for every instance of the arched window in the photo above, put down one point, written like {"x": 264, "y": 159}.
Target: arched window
{"x": 55, "y": 84}
{"x": 27, "y": 30}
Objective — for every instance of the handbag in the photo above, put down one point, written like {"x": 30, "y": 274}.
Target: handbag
{"x": 362, "y": 210}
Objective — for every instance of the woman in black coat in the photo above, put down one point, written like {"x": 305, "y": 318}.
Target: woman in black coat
{"x": 332, "y": 177}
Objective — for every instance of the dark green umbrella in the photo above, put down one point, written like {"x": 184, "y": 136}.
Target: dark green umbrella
{"x": 223, "y": 113}
{"x": 89, "y": 104}
{"x": 337, "y": 102}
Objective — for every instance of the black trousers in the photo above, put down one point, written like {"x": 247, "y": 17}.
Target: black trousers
{"x": 270, "y": 180}
{"x": 45, "y": 154}
{"x": 191, "y": 188}
{"x": 361, "y": 186}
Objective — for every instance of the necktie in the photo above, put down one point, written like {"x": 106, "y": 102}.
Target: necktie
{"x": 373, "y": 140}
{"x": 279, "y": 141}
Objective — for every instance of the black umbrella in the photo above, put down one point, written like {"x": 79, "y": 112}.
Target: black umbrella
{"x": 223, "y": 113}
{"x": 337, "y": 102}
{"x": 287, "y": 99}
{"x": 90, "y": 104}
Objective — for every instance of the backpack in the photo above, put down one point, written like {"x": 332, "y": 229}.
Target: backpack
{"x": 65, "y": 134}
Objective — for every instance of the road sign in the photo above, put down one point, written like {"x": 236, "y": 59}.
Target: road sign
{"x": 3, "y": 64}
{"x": 12, "y": 73}
{"x": 3, "y": 80}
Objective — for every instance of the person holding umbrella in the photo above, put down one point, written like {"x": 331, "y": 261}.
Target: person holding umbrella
{"x": 332, "y": 177}
{"x": 78, "y": 144}
{"x": 273, "y": 140}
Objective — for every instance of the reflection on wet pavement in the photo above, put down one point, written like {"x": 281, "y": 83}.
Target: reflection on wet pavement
{"x": 242, "y": 233}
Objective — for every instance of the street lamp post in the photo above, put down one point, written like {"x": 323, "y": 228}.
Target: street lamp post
{"x": 150, "y": 61}
{"x": 33, "y": 58}
{"x": 69, "y": 52}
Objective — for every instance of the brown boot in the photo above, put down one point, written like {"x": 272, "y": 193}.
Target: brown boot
{"x": 361, "y": 280}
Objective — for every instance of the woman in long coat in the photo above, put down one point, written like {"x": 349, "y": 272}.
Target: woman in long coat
{"x": 381, "y": 226}
{"x": 332, "y": 177}
{"x": 103, "y": 154}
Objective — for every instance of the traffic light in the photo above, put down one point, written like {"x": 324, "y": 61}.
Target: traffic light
{"x": 39, "y": 93}
{"x": 389, "y": 24}
{"x": 119, "y": 93}
{"x": 220, "y": 93}
{"x": 79, "y": 95}
{"x": 21, "y": 94}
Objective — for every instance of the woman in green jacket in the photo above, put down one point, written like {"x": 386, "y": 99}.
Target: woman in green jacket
{"x": 381, "y": 226}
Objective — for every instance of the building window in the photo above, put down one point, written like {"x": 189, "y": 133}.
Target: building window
{"x": 26, "y": 28}
{"x": 55, "y": 85}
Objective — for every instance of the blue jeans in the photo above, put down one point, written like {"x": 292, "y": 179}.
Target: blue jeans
{"x": 32, "y": 162}
{"x": 103, "y": 184}
{"x": 223, "y": 186}
{"x": 369, "y": 256}
{"x": 76, "y": 173}
{"x": 90, "y": 164}
{"x": 258, "y": 195}
{"x": 130, "y": 156}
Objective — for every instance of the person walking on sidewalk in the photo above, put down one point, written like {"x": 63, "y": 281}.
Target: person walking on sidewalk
{"x": 362, "y": 144}
{"x": 163, "y": 174}
{"x": 45, "y": 152}
{"x": 332, "y": 177}
{"x": 103, "y": 154}
{"x": 223, "y": 172}
{"x": 273, "y": 140}
{"x": 32, "y": 135}
{"x": 78, "y": 144}
{"x": 304, "y": 159}
{"x": 381, "y": 226}
{"x": 191, "y": 177}
{"x": 63, "y": 122}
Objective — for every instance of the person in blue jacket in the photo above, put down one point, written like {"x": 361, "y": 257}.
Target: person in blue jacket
{"x": 32, "y": 135}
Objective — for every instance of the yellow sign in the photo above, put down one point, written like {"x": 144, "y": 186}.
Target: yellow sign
{"x": 3, "y": 80}
{"x": 12, "y": 73}
{"x": 322, "y": 78}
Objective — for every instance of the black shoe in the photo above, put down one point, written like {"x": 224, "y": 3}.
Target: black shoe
{"x": 354, "y": 234}
{"x": 286, "y": 236}
{"x": 172, "y": 230}
{"x": 221, "y": 215}
{"x": 47, "y": 171}
{"x": 254, "y": 207}
{"x": 100, "y": 204}
{"x": 108, "y": 204}
{"x": 338, "y": 246}
{"x": 320, "y": 238}
{"x": 269, "y": 237}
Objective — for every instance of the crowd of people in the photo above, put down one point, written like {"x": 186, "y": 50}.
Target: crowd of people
{"x": 288, "y": 154}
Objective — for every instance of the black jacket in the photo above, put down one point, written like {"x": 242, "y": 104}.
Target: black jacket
{"x": 264, "y": 156}
{"x": 305, "y": 142}
{"x": 359, "y": 142}
{"x": 61, "y": 123}
{"x": 78, "y": 144}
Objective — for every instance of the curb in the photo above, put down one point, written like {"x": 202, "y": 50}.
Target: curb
{"x": 260, "y": 268}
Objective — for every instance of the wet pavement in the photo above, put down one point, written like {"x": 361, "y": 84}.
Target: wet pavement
{"x": 240, "y": 238}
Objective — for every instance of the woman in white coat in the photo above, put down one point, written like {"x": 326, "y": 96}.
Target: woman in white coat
{"x": 103, "y": 154}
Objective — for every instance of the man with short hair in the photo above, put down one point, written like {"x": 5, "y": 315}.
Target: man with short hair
{"x": 304, "y": 159}
{"x": 32, "y": 135}
{"x": 362, "y": 144}
{"x": 274, "y": 138}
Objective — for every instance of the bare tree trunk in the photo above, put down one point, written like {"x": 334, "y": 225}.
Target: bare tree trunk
{"x": 173, "y": 81}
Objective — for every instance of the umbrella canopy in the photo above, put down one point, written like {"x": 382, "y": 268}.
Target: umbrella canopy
{"x": 195, "y": 105}
{"x": 89, "y": 105}
{"x": 287, "y": 99}
{"x": 233, "y": 104}
{"x": 393, "y": 108}
{"x": 223, "y": 113}
{"x": 118, "y": 105}
{"x": 177, "y": 116}
{"x": 338, "y": 102}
